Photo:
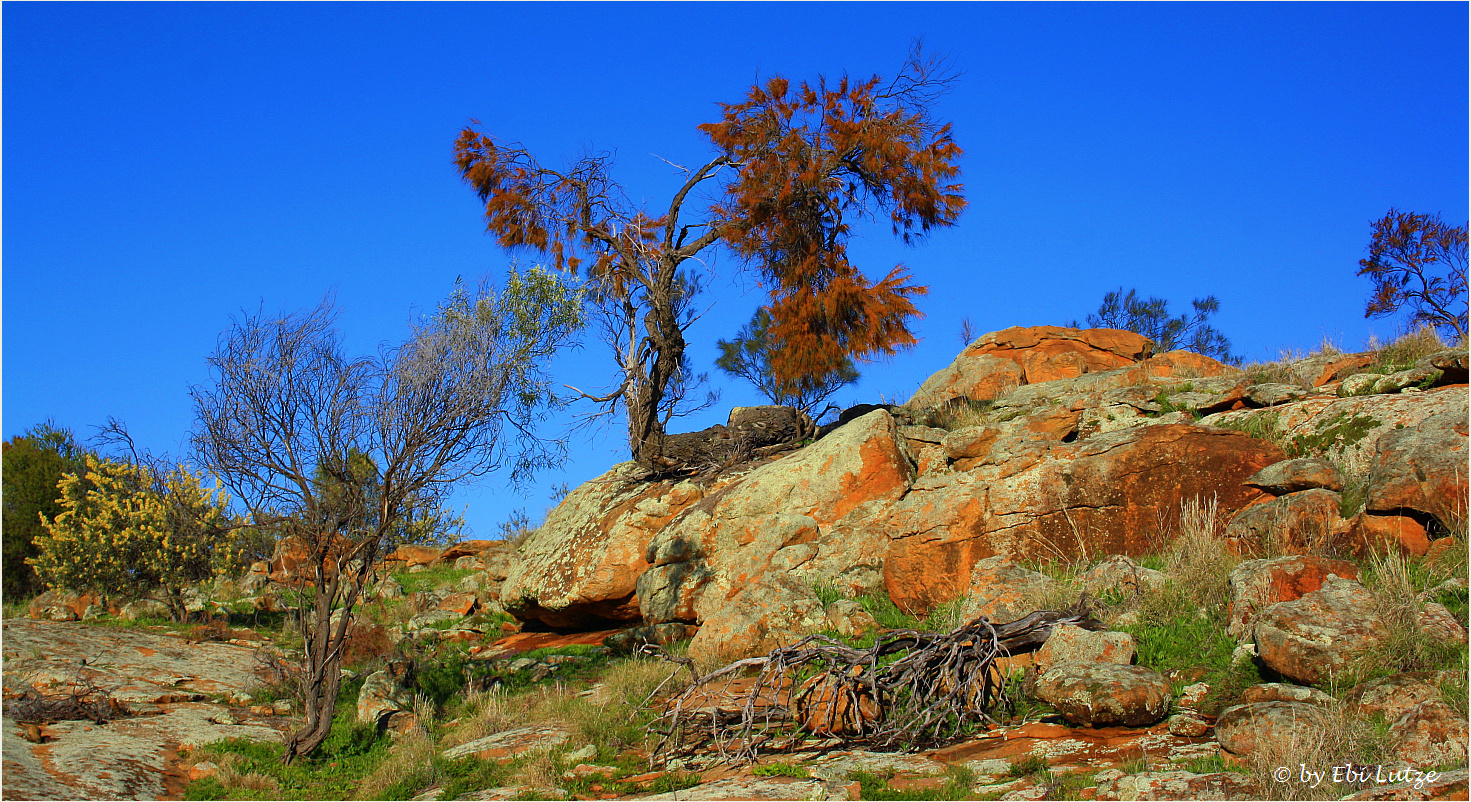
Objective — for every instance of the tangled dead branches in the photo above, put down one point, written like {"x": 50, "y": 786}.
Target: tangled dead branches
{"x": 909, "y": 690}
{"x": 83, "y": 702}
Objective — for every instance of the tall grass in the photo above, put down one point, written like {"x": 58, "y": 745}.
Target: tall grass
{"x": 1343, "y": 739}
{"x": 1404, "y": 351}
{"x": 1401, "y": 588}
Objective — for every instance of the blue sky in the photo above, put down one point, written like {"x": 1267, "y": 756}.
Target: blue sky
{"x": 169, "y": 165}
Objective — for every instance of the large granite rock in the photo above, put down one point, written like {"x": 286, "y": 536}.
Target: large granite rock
{"x": 1105, "y": 694}
{"x": 1260, "y": 727}
{"x": 580, "y": 569}
{"x": 1258, "y": 584}
{"x": 1061, "y": 501}
{"x": 1320, "y": 635}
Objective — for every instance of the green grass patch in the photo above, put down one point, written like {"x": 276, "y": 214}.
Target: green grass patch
{"x": 890, "y": 616}
{"x": 333, "y": 771}
{"x": 1028, "y": 765}
{"x": 1211, "y": 764}
{"x": 431, "y": 578}
{"x": 958, "y": 781}
{"x": 779, "y": 769}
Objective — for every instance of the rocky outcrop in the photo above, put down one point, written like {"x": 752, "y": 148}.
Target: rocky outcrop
{"x": 1064, "y": 501}
{"x": 383, "y": 694}
{"x": 730, "y": 543}
{"x": 1036, "y": 444}
{"x": 1345, "y": 430}
{"x": 164, "y": 683}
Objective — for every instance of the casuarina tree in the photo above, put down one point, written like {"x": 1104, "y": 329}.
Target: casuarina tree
{"x": 794, "y": 167}
{"x": 1418, "y": 262}
{"x": 1151, "y": 318}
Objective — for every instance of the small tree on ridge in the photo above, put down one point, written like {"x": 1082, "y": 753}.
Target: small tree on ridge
{"x": 750, "y": 355}
{"x": 1151, "y": 318}
{"x": 1418, "y": 261}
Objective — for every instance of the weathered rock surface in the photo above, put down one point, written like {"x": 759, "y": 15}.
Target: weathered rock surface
{"x": 1375, "y": 533}
{"x": 1393, "y": 696}
{"x": 506, "y": 745}
{"x": 1251, "y": 728}
{"x": 736, "y": 565}
{"x": 579, "y": 570}
{"x": 1430, "y": 734}
{"x": 1347, "y": 430}
{"x": 1094, "y": 497}
{"x": 1258, "y": 584}
{"x": 1121, "y": 574}
{"x": 1292, "y": 475}
{"x": 1003, "y": 591}
{"x": 1105, "y": 694}
{"x": 1436, "y": 621}
{"x": 1319, "y": 636}
{"x": 1423, "y": 468}
{"x": 1178, "y": 785}
{"x": 383, "y": 694}
{"x": 127, "y": 758}
{"x": 1445, "y": 785}
{"x": 1285, "y": 692}
{"x": 1299, "y": 521}
{"x": 1072, "y": 644}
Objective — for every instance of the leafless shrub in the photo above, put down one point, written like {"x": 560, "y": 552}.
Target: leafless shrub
{"x": 344, "y": 454}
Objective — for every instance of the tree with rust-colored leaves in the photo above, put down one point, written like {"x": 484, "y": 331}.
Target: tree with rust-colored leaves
{"x": 1418, "y": 261}
{"x": 794, "y": 167}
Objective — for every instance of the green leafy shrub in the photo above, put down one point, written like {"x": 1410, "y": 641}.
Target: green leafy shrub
{"x": 34, "y": 463}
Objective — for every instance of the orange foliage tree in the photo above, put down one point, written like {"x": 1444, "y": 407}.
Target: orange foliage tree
{"x": 794, "y": 166}
{"x": 1418, "y": 261}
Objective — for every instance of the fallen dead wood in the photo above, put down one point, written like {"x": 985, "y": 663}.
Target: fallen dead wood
{"x": 909, "y": 690}
{"x": 81, "y": 703}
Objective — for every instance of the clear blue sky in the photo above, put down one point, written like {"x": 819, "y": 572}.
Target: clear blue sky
{"x": 167, "y": 165}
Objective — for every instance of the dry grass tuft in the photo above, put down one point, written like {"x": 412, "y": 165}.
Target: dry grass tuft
{"x": 957, "y": 413}
{"x": 411, "y": 760}
{"x": 1401, "y": 588}
{"x": 1404, "y": 350}
{"x": 1197, "y": 559}
{"x": 1345, "y": 739}
{"x": 232, "y": 778}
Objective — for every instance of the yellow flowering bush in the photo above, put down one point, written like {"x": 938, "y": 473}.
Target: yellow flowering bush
{"x": 121, "y": 532}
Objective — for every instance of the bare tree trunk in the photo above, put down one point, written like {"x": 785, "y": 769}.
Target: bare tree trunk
{"x": 663, "y": 353}
{"x": 324, "y": 642}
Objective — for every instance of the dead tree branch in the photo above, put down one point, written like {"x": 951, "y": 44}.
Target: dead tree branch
{"x": 909, "y": 690}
